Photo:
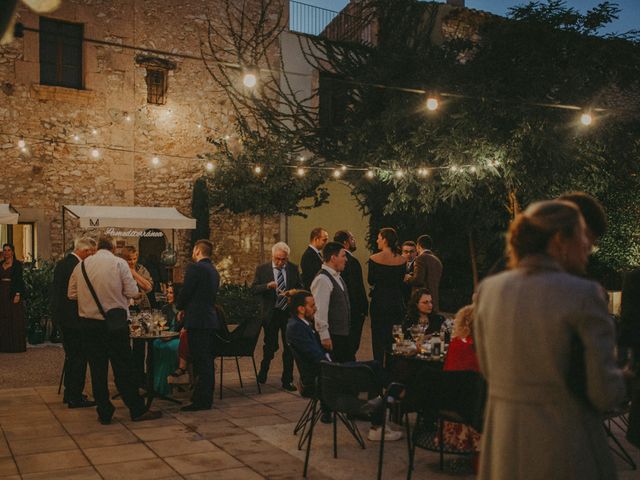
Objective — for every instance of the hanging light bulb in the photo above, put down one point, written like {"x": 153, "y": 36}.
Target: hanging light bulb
{"x": 343, "y": 168}
{"x": 76, "y": 138}
{"x": 22, "y": 143}
{"x": 127, "y": 117}
{"x": 95, "y": 153}
{"x": 586, "y": 119}
{"x": 432, "y": 104}
{"x": 250, "y": 77}
{"x": 454, "y": 168}
{"x": 94, "y": 132}
{"x": 199, "y": 125}
{"x": 155, "y": 161}
{"x": 337, "y": 173}
{"x": 399, "y": 173}
{"x": 209, "y": 166}
{"x": 300, "y": 172}
{"x": 257, "y": 169}
{"x": 423, "y": 172}
{"x": 472, "y": 169}
{"x": 301, "y": 158}
{"x": 370, "y": 174}
{"x": 227, "y": 137}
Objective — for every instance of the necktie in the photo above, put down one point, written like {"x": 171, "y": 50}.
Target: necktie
{"x": 281, "y": 301}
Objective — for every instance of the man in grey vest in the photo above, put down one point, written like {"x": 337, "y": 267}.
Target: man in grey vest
{"x": 332, "y": 318}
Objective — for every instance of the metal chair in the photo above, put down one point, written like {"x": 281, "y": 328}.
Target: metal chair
{"x": 619, "y": 419}
{"x": 308, "y": 388}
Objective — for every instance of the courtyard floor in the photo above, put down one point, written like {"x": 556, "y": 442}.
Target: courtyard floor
{"x": 245, "y": 436}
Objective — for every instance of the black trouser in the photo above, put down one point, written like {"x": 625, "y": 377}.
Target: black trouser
{"x": 355, "y": 331}
{"x": 201, "y": 347}
{"x": 139, "y": 351}
{"x": 342, "y": 349}
{"x": 75, "y": 365}
{"x": 277, "y": 323}
{"x": 102, "y": 347}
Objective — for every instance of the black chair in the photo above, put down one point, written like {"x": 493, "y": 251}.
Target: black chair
{"x": 239, "y": 343}
{"x": 308, "y": 388}
{"x": 620, "y": 419}
{"x": 340, "y": 388}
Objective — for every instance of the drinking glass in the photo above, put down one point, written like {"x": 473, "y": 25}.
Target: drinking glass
{"x": 163, "y": 322}
{"x": 398, "y": 334}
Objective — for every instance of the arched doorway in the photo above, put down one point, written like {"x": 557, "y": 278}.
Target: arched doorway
{"x": 150, "y": 247}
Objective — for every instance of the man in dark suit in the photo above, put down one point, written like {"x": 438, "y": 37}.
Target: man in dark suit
{"x": 196, "y": 305}
{"x": 427, "y": 270}
{"x": 311, "y": 261}
{"x": 409, "y": 252}
{"x": 352, "y": 276}
{"x": 65, "y": 314}
{"x": 271, "y": 281}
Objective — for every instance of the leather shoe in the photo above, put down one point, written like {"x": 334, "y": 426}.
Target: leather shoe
{"x": 262, "y": 377}
{"x": 84, "y": 403}
{"x": 148, "y": 415}
{"x": 104, "y": 421}
{"x": 194, "y": 408}
{"x": 290, "y": 387}
{"x": 65, "y": 400}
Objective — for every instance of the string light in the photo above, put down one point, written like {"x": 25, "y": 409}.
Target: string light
{"x": 301, "y": 158}
{"x": 423, "y": 172}
{"x": 300, "y": 172}
{"x": 586, "y": 119}
{"x": 249, "y": 80}
{"x": 200, "y": 126}
{"x": 257, "y": 169}
{"x": 432, "y": 104}
{"x": 227, "y": 137}
{"x": 76, "y": 138}
{"x": 399, "y": 173}
{"x": 95, "y": 153}
{"x": 337, "y": 173}
{"x": 370, "y": 174}
{"x": 472, "y": 169}
{"x": 94, "y": 132}
{"x": 22, "y": 143}
{"x": 209, "y": 166}
{"x": 127, "y": 117}
{"x": 454, "y": 168}
{"x": 343, "y": 168}
{"x": 155, "y": 161}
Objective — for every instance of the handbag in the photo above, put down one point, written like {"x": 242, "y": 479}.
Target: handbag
{"x": 116, "y": 319}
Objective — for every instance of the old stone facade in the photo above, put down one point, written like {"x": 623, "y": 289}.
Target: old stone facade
{"x": 104, "y": 144}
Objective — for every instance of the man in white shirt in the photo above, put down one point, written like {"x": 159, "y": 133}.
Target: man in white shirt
{"x": 333, "y": 316}
{"x": 114, "y": 285}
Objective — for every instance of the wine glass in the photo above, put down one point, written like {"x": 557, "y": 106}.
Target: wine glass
{"x": 398, "y": 334}
{"x": 163, "y": 321}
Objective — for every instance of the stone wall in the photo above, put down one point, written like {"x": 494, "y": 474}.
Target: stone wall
{"x": 58, "y": 124}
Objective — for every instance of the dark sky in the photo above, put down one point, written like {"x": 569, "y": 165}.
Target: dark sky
{"x": 629, "y": 17}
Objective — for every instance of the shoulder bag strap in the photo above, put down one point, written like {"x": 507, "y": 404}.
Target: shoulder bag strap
{"x": 93, "y": 292}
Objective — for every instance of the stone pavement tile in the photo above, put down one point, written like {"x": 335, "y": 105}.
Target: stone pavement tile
{"x": 220, "y": 429}
{"x": 24, "y": 409}
{"x": 105, "y": 439}
{"x": 141, "y": 469}
{"x": 251, "y": 411}
{"x": 8, "y": 466}
{"x": 231, "y": 474}
{"x": 75, "y": 414}
{"x": 258, "y": 421}
{"x": 276, "y": 397}
{"x": 292, "y": 416}
{"x": 92, "y": 426}
{"x": 21, "y": 432}
{"x": 118, "y": 453}
{"x": 245, "y": 446}
{"x": 164, "y": 421}
{"x": 289, "y": 407}
{"x": 202, "y": 462}
{"x": 42, "y": 445}
{"x": 235, "y": 401}
{"x": 21, "y": 418}
{"x": 4, "y": 447}
{"x": 44, "y": 462}
{"x": 195, "y": 418}
{"x": 274, "y": 464}
{"x": 181, "y": 446}
{"x": 83, "y": 473}
{"x": 17, "y": 392}
{"x": 162, "y": 433}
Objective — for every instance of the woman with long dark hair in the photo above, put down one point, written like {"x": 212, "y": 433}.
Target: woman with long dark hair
{"x": 13, "y": 329}
{"x": 386, "y": 277}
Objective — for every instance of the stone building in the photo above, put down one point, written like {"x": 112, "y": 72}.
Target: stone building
{"x": 108, "y": 102}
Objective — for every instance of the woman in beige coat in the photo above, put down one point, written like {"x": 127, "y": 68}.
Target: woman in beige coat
{"x": 545, "y": 345}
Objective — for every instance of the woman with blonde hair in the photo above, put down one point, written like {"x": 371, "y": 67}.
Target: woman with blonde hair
{"x": 545, "y": 345}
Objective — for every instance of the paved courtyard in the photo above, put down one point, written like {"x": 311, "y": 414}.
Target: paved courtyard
{"x": 246, "y": 436}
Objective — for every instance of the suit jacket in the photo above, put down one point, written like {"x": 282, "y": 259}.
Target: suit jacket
{"x": 307, "y": 349}
{"x": 427, "y": 270}
{"x": 264, "y": 275}
{"x": 352, "y": 276}
{"x": 198, "y": 296}
{"x": 525, "y": 322}
{"x": 64, "y": 310}
{"x": 310, "y": 264}
{"x": 630, "y": 315}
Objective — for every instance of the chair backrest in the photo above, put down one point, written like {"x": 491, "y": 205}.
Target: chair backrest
{"x": 309, "y": 372}
{"x": 342, "y": 384}
{"x": 243, "y": 340}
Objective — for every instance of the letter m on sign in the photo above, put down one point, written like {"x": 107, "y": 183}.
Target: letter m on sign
{"x": 94, "y": 223}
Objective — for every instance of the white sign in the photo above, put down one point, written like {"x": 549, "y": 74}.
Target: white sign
{"x": 133, "y": 233}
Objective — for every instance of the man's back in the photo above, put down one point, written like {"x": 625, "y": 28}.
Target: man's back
{"x": 310, "y": 264}
{"x": 198, "y": 295}
{"x": 65, "y": 311}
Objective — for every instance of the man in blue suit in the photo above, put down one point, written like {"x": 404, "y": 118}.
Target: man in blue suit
{"x": 196, "y": 303}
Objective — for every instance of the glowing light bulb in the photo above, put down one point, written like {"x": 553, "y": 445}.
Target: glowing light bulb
{"x": 370, "y": 174}
{"x": 127, "y": 117}
{"x": 300, "y": 172}
{"x": 209, "y": 166}
{"x": 155, "y": 161}
{"x": 24, "y": 149}
{"x": 337, "y": 173}
{"x": 432, "y": 104}
{"x": 249, "y": 80}
{"x": 22, "y": 143}
{"x": 472, "y": 169}
{"x": 95, "y": 153}
{"x": 454, "y": 168}
{"x": 399, "y": 174}
{"x": 257, "y": 169}
{"x": 301, "y": 158}
{"x": 94, "y": 132}
{"x": 343, "y": 168}
{"x": 199, "y": 125}
{"x": 423, "y": 172}
{"x": 76, "y": 138}
{"x": 227, "y": 137}
{"x": 586, "y": 119}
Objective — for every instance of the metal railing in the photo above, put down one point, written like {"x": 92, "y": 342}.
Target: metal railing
{"x": 322, "y": 22}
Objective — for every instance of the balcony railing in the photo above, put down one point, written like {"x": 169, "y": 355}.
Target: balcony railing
{"x": 318, "y": 21}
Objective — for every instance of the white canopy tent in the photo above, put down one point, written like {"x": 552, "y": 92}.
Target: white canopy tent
{"x": 8, "y": 214}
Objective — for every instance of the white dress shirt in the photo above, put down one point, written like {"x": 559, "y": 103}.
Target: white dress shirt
{"x": 321, "y": 289}
{"x": 111, "y": 279}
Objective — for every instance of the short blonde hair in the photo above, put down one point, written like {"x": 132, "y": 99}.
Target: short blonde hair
{"x": 463, "y": 323}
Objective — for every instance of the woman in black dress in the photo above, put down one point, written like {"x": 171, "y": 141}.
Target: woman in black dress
{"x": 386, "y": 274}
{"x": 13, "y": 329}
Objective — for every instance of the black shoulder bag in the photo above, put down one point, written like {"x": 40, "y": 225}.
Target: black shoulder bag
{"x": 116, "y": 319}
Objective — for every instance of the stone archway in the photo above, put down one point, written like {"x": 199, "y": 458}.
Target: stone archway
{"x": 150, "y": 248}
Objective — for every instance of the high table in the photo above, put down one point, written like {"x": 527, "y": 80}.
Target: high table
{"x": 148, "y": 340}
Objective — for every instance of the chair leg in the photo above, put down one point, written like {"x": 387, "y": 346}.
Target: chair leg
{"x": 335, "y": 435}
{"x": 239, "y": 374}
{"x": 303, "y": 418}
{"x": 441, "y": 442}
{"x": 221, "y": 368}
{"x": 412, "y": 451}
{"x": 255, "y": 371}
{"x": 621, "y": 451}
{"x": 408, "y": 433}
{"x": 304, "y": 432}
{"x": 64, "y": 367}
{"x": 381, "y": 452}
{"x": 353, "y": 429}
{"x": 306, "y": 458}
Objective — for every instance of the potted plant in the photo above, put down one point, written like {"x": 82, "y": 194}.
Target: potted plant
{"x": 38, "y": 278}
{"x": 238, "y": 302}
